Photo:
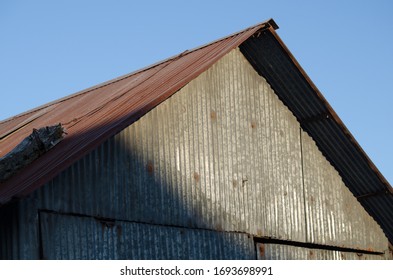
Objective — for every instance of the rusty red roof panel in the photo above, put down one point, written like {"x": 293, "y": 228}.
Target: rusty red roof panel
{"x": 92, "y": 116}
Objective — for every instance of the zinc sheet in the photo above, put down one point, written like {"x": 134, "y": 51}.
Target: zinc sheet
{"x": 223, "y": 153}
{"x": 19, "y": 231}
{"x": 272, "y": 59}
{"x": 287, "y": 252}
{"x": 72, "y": 237}
{"x": 334, "y": 216}
{"x": 9, "y": 239}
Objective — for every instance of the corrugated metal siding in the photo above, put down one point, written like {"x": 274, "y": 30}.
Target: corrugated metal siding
{"x": 92, "y": 116}
{"x": 287, "y": 252}
{"x": 95, "y": 114}
{"x": 71, "y": 237}
{"x": 222, "y": 153}
{"x": 9, "y": 245}
{"x": 271, "y": 58}
{"x": 19, "y": 231}
{"x": 334, "y": 216}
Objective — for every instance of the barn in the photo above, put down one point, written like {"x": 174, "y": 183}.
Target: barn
{"x": 226, "y": 151}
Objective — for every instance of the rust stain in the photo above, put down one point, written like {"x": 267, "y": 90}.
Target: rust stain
{"x": 196, "y": 177}
{"x": 213, "y": 115}
{"x": 119, "y": 230}
{"x": 261, "y": 248}
{"x": 253, "y": 124}
{"x": 150, "y": 167}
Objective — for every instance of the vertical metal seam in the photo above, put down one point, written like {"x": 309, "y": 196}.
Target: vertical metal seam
{"x": 304, "y": 186}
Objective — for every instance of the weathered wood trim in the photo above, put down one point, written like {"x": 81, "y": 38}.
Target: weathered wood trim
{"x": 33, "y": 146}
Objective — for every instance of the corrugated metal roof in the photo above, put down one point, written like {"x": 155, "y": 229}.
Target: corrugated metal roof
{"x": 92, "y": 116}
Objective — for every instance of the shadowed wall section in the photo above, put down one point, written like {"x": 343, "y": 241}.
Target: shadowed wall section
{"x": 219, "y": 162}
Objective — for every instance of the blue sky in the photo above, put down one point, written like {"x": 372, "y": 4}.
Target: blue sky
{"x": 50, "y": 49}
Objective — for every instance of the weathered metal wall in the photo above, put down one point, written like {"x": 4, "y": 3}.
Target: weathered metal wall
{"x": 288, "y": 252}
{"x": 89, "y": 238}
{"x": 9, "y": 245}
{"x": 19, "y": 230}
{"x": 334, "y": 216}
{"x": 223, "y": 154}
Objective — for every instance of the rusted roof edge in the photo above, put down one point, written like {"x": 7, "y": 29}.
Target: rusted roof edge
{"x": 18, "y": 187}
{"x": 266, "y": 24}
{"x": 25, "y": 122}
